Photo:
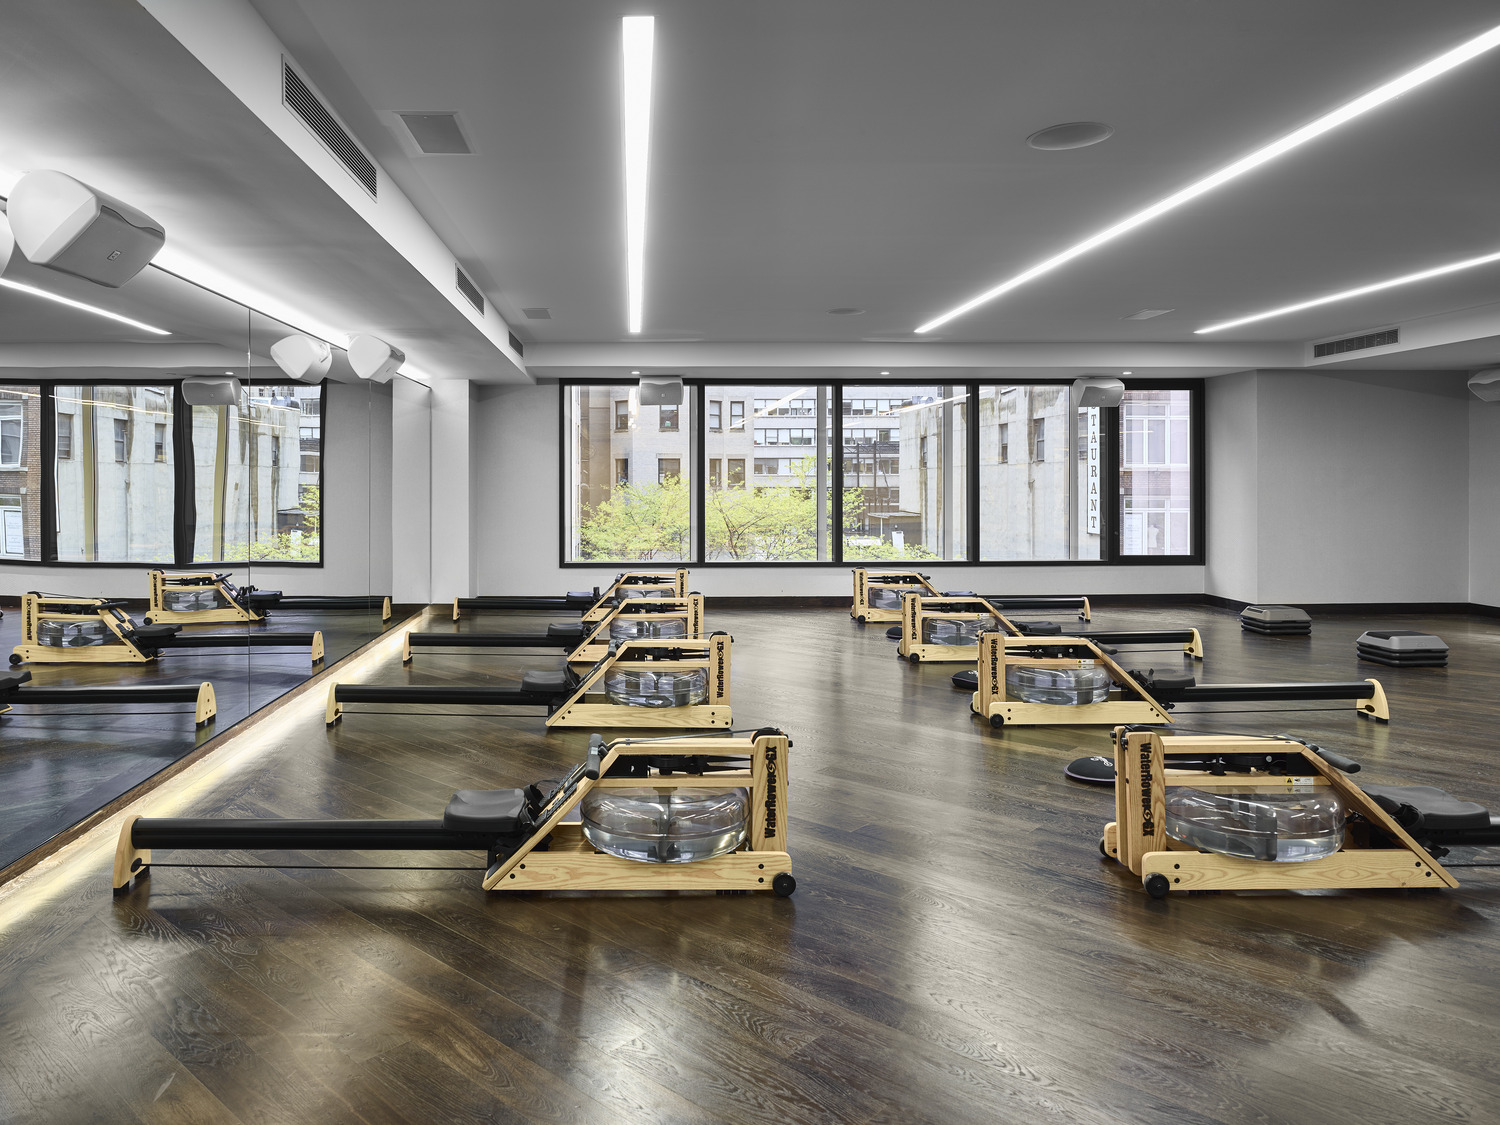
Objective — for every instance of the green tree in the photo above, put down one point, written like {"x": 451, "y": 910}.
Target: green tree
{"x": 638, "y": 521}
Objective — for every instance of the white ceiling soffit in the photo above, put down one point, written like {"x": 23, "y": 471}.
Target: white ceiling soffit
{"x": 105, "y": 93}
{"x": 872, "y": 154}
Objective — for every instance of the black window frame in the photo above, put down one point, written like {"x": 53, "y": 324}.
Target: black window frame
{"x": 179, "y": 438}
{"x": 1110, "y": 420}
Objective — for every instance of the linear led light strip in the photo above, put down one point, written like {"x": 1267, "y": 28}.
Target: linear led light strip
{"x": 1361, "y": 105}
{"x": 95, "y": 309}
{"x": 1344, "y": 295}
{"x": 638, "y": 34}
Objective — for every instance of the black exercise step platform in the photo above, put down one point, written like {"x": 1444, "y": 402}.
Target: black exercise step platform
{"x": 1276, "y": 620}
{"x": 1402, "y": 648}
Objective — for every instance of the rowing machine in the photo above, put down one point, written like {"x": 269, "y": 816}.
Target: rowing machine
{"x": 637, "y": 684}
{"x": 586, "y": 641}
{"x": 1202, "y": 813}
{"x": 13, "y": 692}
{"x": 204, "y": 597}
{"x": 878, "y": 593}
{"x": 347, "y": 603}
{"x": 946, "y": 629}
{"x": 632, "y": 583}
{"x": 1029, "y": 680}
{"x": 527, "y": 843}
{"x": 61, "y": 630}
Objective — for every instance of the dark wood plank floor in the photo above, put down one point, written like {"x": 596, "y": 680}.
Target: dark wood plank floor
{"x": 956, "y": 951}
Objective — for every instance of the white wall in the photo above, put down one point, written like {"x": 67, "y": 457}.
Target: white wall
{"x": 1232, "y": 555}
{"x": 518, "y": 529}
{"x": 411, "y": 492}
{"x": 1484, "y": 502}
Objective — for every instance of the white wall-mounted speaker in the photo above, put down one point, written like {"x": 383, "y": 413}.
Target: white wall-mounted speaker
{"x": 1098, "y": 390}
{"x": 303, "y": 357}
{"x": 372, "y": 358}
{"x": 66, "y": 225}
{"x": 211, "y": 390}
{"x": 1486, "y": 384}
{"x": 662, "y": 392}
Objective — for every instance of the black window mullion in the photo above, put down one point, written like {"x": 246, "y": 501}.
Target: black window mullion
{"x": 971, "y": 470}
{"x": 47, "y": 548}
{"x": 836, "y": 476}
{"x": 184, "y": 481}
{"x": 1109, "y": 454}
{"x": 699, "y": 490}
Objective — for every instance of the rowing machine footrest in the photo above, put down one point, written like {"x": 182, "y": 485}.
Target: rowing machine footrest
{"x": 543, "y": 681}
{"x": 572, "y": 630}
{"x": 1040, "y": 629}
{"x": 486, "y": 811}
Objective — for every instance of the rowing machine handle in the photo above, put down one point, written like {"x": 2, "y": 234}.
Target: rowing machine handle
{"x": 594, "y": 763}
{"x": 1337, "y": 761}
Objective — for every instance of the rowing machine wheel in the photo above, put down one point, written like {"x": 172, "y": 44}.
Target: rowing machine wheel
{"x": 145, "y": 621}
{"x": 784, "y": 884}
{"x": 15, "y": 658}
{"x": 915, "y": 658}
{"x": 861, "y": 620}
{"x": 1157, "y": 885}
{"x": 1102, "y": 849}
{"x": 997, "y": 721}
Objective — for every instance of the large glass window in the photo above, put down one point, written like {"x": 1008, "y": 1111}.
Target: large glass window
{"x": 20, "y": 472}
{"x": 1156, "y": 495}
{"x": 615, "y": 515}
{"x": 783, "y": 511}
{"x": 905, "y": 472}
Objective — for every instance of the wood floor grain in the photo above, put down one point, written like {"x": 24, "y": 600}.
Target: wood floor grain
{"x": 956, "y": 951}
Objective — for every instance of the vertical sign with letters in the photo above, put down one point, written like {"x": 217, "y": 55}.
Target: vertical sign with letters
{"x": 1092, "y": 492}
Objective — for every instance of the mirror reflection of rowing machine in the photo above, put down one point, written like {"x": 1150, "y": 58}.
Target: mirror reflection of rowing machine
{"x": 947, "y": 630}
{"x": 1234, "y": 812}
{"x": 56, "y": 629}
{"x": 635, "y": 685}
{"x": 1027, "y": 681}
{"x": 705, "y": 813}
{"x": 205, "y": 597}
{"x": 878, "y": 593}
{"x": 629, "y": 619}
{"x": 591, "y": 604}
{"x": 14, "y": 691}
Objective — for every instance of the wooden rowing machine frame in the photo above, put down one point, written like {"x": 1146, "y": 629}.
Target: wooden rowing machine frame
{"x": 677, "y": 580}
{"x": 162, "y": 583}
{"x": 1138, "y": 839}
{"x": 595, "y": 643}
{"x": 579, "y": 710}
{"x": 997, "y": 652}
{"x": 915, "y": 610}
{"x": 571, "y": 863}
{"x": 906, "y": 581}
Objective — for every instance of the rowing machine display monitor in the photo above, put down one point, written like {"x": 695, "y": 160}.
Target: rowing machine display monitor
{"x": 641, "y": 688}
{"x": 666, "y": 826}
{"x": 1281, "y": 827}
{"x": 1275, "y": 620}
{"x": 1065, "y": 687}
{"x": 1402, "y": 648}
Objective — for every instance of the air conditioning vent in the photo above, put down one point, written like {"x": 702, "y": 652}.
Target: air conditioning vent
{"x": 1357, "y": 343}
{"x": 469, "y": 290}
{"x": 298, "y": 98}
{"x": 515, "y": 345}
{"x": 537, "y": 314}
{"x": 436, "y": 134}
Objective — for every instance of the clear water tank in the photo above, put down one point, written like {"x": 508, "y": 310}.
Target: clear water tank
{"x": 193, "y": 600}
{"x": 953, "y": 631}
{"x": 643, "y": 628}
{"x": 72, "y": 634}
{"x": 1285, "y": 827}
{"x": 1067, "y": 687}
{"x": 884, "y": 599}
{"x": 665, "y": 825}
{"x": 682, "y": 688}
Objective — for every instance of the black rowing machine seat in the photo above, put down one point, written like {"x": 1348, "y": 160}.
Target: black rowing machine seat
{"x": 548, "y": 681}
{"x": 1436, "y": 810}
{"x": 260, "y": 597}
{"x": 566, "y": 631}
{"x": 12, "y": 681}
{"x": 149, "y": 633}
{"x": 1040, "y": 629}
{"x": 485, "y": 812}
{"x": 1162, "y": 685}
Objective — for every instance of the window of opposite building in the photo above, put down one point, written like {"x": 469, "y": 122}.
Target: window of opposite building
{"x": 622, "y": 416}
{"x": 622, "y": 470}
{"x": 1156, "y": 473}
{"x": 667, "y": 418}
{"x": 668, "y": 469}
{"x": 715, "y": 472}
{"x": 159, "y": 443}
{"x": 736, "y": 472}
{"x": 715, "y": 416}
{"x": 1039, "y": 439}
{"x": 64, "y": 436}
{"x": 12, "y": 432}
{"x": 736, "y": 415}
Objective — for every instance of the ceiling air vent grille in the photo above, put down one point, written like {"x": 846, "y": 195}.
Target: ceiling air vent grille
{"x": 297, "y": 97}
{"x": 1357, "y": 343}
{"x": 469, "y": 290}
{"x": 515, "y": 345}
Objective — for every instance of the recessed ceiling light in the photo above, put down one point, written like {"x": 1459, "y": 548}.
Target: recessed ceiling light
{"x": 1127, "y": 372}
{"x": 635, "y": 372}
{"x": 229, "y": 372}
{"x": 638, "y": 38}
{"x": 846, "y": 312}
{"x": 1346, "y": 294}
{"x": 1147, "y": 314}
{"x": 72, "y": 304}
{"x": 885, "y": 372}
{"x": 1295, "y": 139}
{"x": 1070, "y": 134}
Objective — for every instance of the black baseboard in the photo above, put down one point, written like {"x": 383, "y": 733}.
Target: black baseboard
{"x": 777, "y": 601}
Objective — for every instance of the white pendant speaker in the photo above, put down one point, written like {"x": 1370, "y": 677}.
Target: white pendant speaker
{"x": 303, "y": 357}
{"x": 372, "y": 358}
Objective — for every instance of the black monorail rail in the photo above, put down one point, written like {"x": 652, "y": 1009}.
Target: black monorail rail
{"x": 1137, "y": 636}
{"x": 440, "y": 693}
{"x": 520, "y": 602}
{"x": 146, "y": 693}
{"x": 354, "y": 602}
{"x": 1244, "y": 693}
{"x": 304, "y": 834}
{"x": 490, "y": 640}
{"x": 230, "y": 640}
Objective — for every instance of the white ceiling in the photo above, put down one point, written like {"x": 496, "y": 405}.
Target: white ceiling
{"x": 811, "y": 154}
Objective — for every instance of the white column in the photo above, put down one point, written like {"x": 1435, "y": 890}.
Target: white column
{"x": 411, "y": 492}
{"x": 453, "y": 468}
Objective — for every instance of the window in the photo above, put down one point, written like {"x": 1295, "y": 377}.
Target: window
{"x": 736, "y": 472}
{"x": 1024, "y": 502}
{"x": 736, "y": 415}
{"x": 1039, "y": 439}
{"x": 667, "y": 418}
{"x": 1004, "y": 442}
{"x": 12, "y": 430}
{"x": 609, "y": 517}
{"x": 122, "y": 439}
{"x": 310, "y": 463}
{"x": 160, "y": 442}
{"x": 785, "y": 436}
{"x": 65, "y": 437}
{"x": 1156, "y": 475}
{"x": 12, "y": 527}
{"x": 905, "y": 472}
{"x": 715, "y": 416}
{"x": 715, "y": 473}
